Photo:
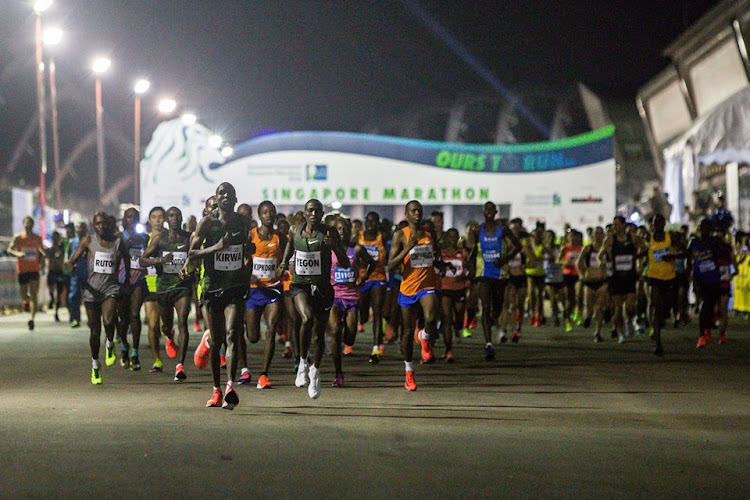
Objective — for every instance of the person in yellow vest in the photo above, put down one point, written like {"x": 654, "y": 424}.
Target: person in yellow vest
{"x": 28, "y": 248}
{"x": 536, "y": 275}
{"x": 664, "y": 247}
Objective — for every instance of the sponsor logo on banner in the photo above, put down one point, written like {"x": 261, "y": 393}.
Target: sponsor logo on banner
{"x": 588, "y": 199}
{"x": 553, "y": 199}
{"x": 317, "y": 172}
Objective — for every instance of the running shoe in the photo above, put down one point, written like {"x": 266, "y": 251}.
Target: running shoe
{"x": 613, "y": 333}
{"x": 110, "y": 358}
{"x": 263, "y": 382}
{"x": 360, "y": 328}
{"x": 568, "y": 326}
{"x": 501, "y": 338}
{"x": 466, "y": 333}
{"x": 57, "y": 318}
{"x": 75, "y": 324}
{"x": 135, "y": 364}
{"x": 473, "y": 324}
{"x": 375, "y": 358}
{"x": 597, "y": 338}
{"x": 427, "y": 356}
{"x": 96, "y": 376}
{"x": 179, "y": 373}
{"x": 621, "y": 338}
{"x": 125, "y": 360}
{"x": 703, "y": 340}
{"x": 230, "y": 399}
{"x": 417, "y": 333}
{"x": 722, "y": 338}
{"x": 287, "y": 352}
{"x": 302, "y": 379}
{"x": 348, "y": 350}
{"x": 587, "y": 322}
{"x": 197, "y": 326}
{"x": 245, "y": 378}
{"x": 381, "y": 349}
{"x": 31, "y": 325}
{"x": 659, "y": 350}
{"x": 410, "y": 383}
{"x": 489, "y": 352}
{"x": 215, "y": 400}
{"x": 449, "y": 357}
{"x": 170, "y": 346}
{"x": 516, "y": 336}
{"x": 338, "y": 381}
{"x": 203, "y": 351}
{"x": 556, "y": 322}
{"x": 389, "y": 333}
{"x": 223, "y": 360}
{"x": 157, "y": 366}
{"x": 313, "y": 390}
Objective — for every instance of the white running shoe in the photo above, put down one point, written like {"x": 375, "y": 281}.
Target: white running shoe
{"x": 313, "y": 390}
{"x": 500, "y": 338}
{"x": 302, "y": 378}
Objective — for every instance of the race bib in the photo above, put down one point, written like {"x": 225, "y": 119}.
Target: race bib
{"x": 553, "y": 273}
{"x": 594, "y": 261}
{"x": 659, "y": 254}
{"x": 151, "y": 271}
{"x": 706, "y": 266}
{"x": 421, "y": 256}
{"x": 307, "y": 263}
{"x": 264, "y": 267}
{"x": 104, "y": 263}
{"x": 344, "y": 275}
{"x": 490, "y": 255}
{"x": 135, "y": 257}
{"x": 573, "y": 257}
{"x": 29, "y": 253}
{"x": 228, "y": 259}
{"x": 374, "y": 251}
{"x": 623, "y": 263}
{"x": 458, "y": 264}
{"x": 725, "y": 274}
{"x": 178, "y": 261}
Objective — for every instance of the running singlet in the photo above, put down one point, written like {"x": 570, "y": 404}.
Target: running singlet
{"x": 538, "y": 269}
{"x": 226, "y": 268}
{"x": 417, "y": 271}
{"x": 705, "y": 265}
{"x": 150, "y": 272}
{"x": 29, "y": 245}
{"x": 169, "y": 278}
{"x": 266, "y": 257}
{"x": 658, "y": 268}
{"x": 376, "y": 249}
{"x": 135, "y": 244}
{"x": 102, "y": 280}
{"x": 458, "y": 279}
{"x": 490, "y": 249}
{"x": 344, "y": 279}
{"x": 570, "y": 257}
{"x": 553, "y": 274}
{"x": 312, "y": 260}
{"x": 623, "y": 257}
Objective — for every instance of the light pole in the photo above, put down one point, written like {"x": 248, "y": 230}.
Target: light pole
{"x": 140, "y": 88}
{"x": 39, "y": 7}
{"x": 100, "y": 66}
{"x": 52, "y": 38}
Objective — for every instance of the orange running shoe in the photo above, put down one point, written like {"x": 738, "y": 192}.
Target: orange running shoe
{"x": 223, "y": 359}
{"x": 722, "y": 338}
{"x": 287, "y": 352}
{"x": 427, "y": 356}
{"x": 348, "y": 350}
{"x": 263, "y": 382}
{"x": 389, "y": 333}
{"x": 417, "y": 332}
{"x": 179, "y": 373}
{"x": 449, "y": 357}
{"x": 360, "y": 327}
{"x": 197, "y": 326}
{"x": 170, "y": 347}
{"x": 216, "y": 400}
{"x": 473, "y": 324}
{"x": 704, "y": 339}
{"x": 410, "y": 384}
{"x": 203, "y": 351}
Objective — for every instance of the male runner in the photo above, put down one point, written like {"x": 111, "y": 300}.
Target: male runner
{"x": 29, "y": 249}
{"x": 105, "y": 253}
{"x": 311, "y": 245}
{"x": 223, "y": 242}
{"x": 373, "y": 291}
{"x": 454, "y": 284}
{"x": 56, "y": 278}
{"x": 266, "y": 296}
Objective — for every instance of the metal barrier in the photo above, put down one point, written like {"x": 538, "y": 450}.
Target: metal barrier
{"x": 9, "y": 294}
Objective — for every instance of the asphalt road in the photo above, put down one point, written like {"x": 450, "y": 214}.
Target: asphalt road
{"x": 555, "y": 416}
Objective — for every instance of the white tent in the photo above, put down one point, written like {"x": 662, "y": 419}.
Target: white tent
{"x": 719, "y": 137}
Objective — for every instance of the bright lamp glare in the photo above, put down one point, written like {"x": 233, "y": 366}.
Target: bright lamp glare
{"x": 101, "y": 65}
{"x": 141, "y": 86}
{"x": 189, "y": 119}
{"x": 227, "y": 151}
{"x": 52, "y": 36}
{"x": 167, "y": 105}
{"x": 215, "y": 141}
{"x": 42, "y": 5}
{"x": 336, "y": 205}
{"x": 139, "y": 228}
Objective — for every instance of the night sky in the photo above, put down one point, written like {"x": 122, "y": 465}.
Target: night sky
{"x": 245, "y": 66}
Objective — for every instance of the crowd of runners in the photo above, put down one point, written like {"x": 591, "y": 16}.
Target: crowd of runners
{"x": 313, "y": 281}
